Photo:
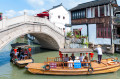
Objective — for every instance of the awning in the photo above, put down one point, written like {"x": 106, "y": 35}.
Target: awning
{"x": 43, "y": 14}
{"x": 76, "y": 50}
{"x": 19, "y": 45}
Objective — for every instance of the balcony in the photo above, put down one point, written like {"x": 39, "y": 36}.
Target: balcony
{"x": 96, "y": 20}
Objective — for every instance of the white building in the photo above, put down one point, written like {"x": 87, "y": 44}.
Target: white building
{"x": 59, "y": 16}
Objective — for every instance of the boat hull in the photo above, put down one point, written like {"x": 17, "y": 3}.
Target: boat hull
{"x": 23, "y": 64}
{"x": 83, "y": 71}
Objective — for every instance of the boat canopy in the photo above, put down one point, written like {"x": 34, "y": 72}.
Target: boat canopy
{"x": 76, "y": 50}
{"x": 19, "y": 45}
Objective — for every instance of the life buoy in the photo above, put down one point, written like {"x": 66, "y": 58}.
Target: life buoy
{"x": 47, "y": 67}
{"x": 90, "y": 69}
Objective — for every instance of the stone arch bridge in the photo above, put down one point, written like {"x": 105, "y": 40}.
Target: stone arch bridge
{"x": 46, "y": 33}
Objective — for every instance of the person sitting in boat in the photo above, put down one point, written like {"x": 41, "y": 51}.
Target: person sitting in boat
{"x": 66, "y": 59}
{"x": 16, "y": 55}
{"x": 81, "y": 57}
{"x": 21, "y": 54}
{"x": 25, "y": 54}
{"x": 12, "y": 54}
{"x": 86, "y": 60}
{"x": 70, "y": 63}
{"x": 72, "y": 56}
{"x": 19, "y": 50}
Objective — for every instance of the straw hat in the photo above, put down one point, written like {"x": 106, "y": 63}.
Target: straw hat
{"x": 99, "y": 46}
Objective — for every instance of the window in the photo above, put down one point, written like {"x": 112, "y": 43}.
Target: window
{"x": 76, "y": 32}
{"x": 103, "y": 32}
{"x": 118, "y": 32}
{"x": 106, "y": 10}
{"x": 63, "y": 17}
{"x": 59, "y": 16}
{"x": 92, "y": 12}
{"x": 101, "y": 11}
{"x": 96, "y": 11}
{"x": 79, "y": 14}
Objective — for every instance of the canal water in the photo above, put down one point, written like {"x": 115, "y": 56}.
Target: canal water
{"x": 10, "y": 71}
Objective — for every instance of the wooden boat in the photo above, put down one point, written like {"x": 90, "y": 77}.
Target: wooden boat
{"x": 26, "y": 60}
{"x": 23, "y": 63}
{"x": 106, "y": 65}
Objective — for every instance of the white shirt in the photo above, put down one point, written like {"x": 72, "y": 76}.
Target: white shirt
{"x": 16, "y": 53}
{"x": 99, "y": 50}
{"x": 81, "y": 58}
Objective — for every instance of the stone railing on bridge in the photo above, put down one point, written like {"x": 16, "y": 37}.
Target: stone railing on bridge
{"x": 8, "y": 23}
{"x": 44, "y": 21}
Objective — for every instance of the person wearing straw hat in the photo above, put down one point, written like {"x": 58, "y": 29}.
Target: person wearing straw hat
{"x": 99, "y": 50}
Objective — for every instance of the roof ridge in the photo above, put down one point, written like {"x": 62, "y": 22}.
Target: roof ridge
{"x": 91, "y": 4}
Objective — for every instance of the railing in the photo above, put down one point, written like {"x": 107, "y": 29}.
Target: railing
{"x": 4, "y": 24}
{"x": 44, "y": 21}
{"x": 91, "y": 20}
{"x": 60, "y": 63}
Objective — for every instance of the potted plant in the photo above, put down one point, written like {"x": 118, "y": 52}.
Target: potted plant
{"x": 69, "y": 34}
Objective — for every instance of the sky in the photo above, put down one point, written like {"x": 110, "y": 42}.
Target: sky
{"x": 12, "y": 8}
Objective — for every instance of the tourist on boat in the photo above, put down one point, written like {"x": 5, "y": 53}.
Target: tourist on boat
{"x": 26, "y": 54}
{"x": 66, "y": 59}
{"x": 12, "y": 54}
{"x": 70, "y": 63}
{"x": 73, "y": 57}
{"x": 85, "y": 60}
{"x": 99, "y": 50}
{"x": 81, "y": 57}
{"x": 16, "y": 55}
{"x": 19, "y": 50}
{"x": 21, "y": 54}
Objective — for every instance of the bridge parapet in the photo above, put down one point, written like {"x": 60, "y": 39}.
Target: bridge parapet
{"x": 8, "y": 23}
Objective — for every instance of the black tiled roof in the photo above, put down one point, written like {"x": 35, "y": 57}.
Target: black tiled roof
{"x": 91, "y": 4}
{"x": 55, "y": 7}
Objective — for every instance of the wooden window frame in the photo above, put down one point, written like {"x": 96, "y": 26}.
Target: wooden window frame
{"x": 103, "y": 32}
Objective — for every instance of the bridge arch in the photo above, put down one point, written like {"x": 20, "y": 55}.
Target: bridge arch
{"x": 44, "y": 33}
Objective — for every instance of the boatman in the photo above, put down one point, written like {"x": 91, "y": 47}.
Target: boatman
{"x": 99, "y": 50}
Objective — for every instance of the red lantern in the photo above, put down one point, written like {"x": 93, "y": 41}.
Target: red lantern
{"x": 60, "y": 53}
{"x": 91, "y": 54}
{"x": 15, "y": 50}
{"x": 29, "y": 49}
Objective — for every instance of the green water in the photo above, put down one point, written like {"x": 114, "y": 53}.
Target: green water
{"x": 10, "y": 71}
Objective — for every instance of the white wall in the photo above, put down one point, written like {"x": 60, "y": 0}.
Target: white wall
{"x": 62, "y": 12}
{"x": 84, "y": 28}
{"x": 67, "y": 29}
{"x": 92, "y": 36}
